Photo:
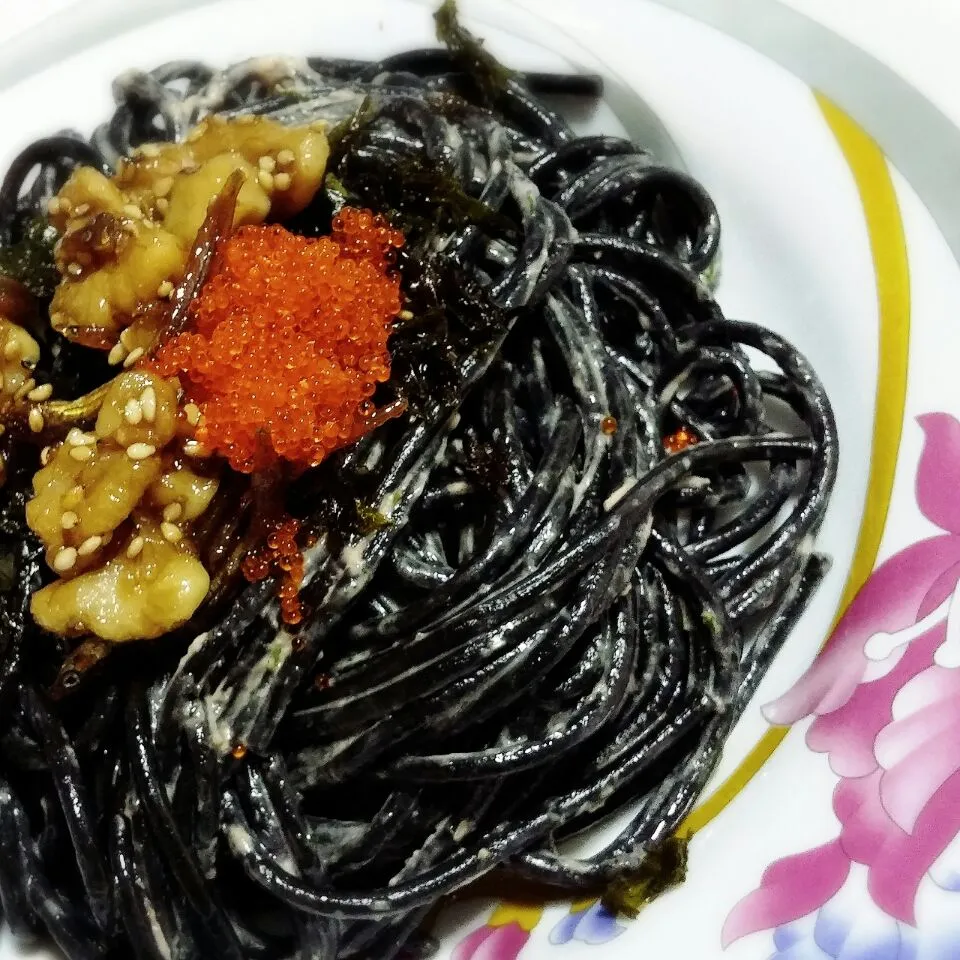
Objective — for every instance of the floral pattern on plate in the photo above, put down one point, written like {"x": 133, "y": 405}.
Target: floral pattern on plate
{"x": 505, "y": 934}
{"x": 885, "y": 695}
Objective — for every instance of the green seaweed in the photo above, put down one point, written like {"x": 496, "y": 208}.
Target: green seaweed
{"x": 8, "y": 572}
{"x": 710, "y": 621}
{"x": 30, "y": 260}
{"x": 419, "y": 196}
{"x": 370, "y": 520}
{"x": 489, "y": 73}
{"x": 664, "y": 867}
{"x": 343, "y": 135}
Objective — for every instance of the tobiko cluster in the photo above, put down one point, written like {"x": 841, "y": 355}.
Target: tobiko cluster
{"x": 288, "y": 341}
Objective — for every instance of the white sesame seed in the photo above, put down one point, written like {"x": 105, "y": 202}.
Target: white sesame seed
{"x": 25, "y": 388}
{"x": 106, "y": 538}
{"x": 35, "y": 419}
{"x": 172, "y": 512}
{"x": 117, "y": 352}
{"x": 192, "y": 413}
{"x": 74, "y": 269}
{"x": 133, "y": 356}
{"x": 53, "y": 206}
{"x": 148, "y": 403}
{"x": 171, "y": 532}
{"x": 81, "y": 453}
{"x": 126, "y": 338}
{"x": 45, "y": 454}
{"x": 189, "y": 166}
{"x": 132, "y": 411}
{"x": 150, "y": 150}
{"x": 43, "y": 392}
{"x": 285, "y": 158}
{"x": 265, "y": 180}
{"x": 89, "y": 546}
{"x": 68, "y": 520}
{"x": 267, "y": 164}
{"x": 11, "y": 350}
{"x": 193, "y": 448}
{"x": 406, "y": 314}
{"x": 66, "y": 557}
{"x": 163, "y": 205}
{"x": 82, "y": 210}
{"x": 77, "y": 438}
{"x": 135, "y": 547}
{"x": 165, "y": 289}
{"x": 140, "y": 451}
{"x": 282, "y": 181}
{"x": 133, "y": 211}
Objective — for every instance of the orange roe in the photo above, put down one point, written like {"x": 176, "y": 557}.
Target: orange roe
{"x": 680, "y": 440}
{"x": 608, "y": 425}
{"x": 288, "y": 340}
{"x": 281, "y": 554}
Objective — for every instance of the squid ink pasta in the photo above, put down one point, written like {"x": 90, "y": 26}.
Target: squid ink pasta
{"x": 419, "y": 510}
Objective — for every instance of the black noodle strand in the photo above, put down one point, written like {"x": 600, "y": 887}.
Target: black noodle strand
{"x": 552, "y": 619}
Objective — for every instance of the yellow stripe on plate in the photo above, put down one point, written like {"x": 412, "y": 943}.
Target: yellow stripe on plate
{"x": 888, "y": 247}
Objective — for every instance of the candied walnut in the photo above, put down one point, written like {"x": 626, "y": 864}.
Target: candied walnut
{"x": 104, "y": 504}
{"x": 129, "y": 597}
{"x": 183, "y": 488}
{"x": 77, "y": 499}
{"x": 100, "y": 240}
{"x": 191, "y": 195}
{"x": 140, "y": 408}
{"x": 126, "y": 239}
{"x": 19, "y": 354}
{"x": 107, "y": 297}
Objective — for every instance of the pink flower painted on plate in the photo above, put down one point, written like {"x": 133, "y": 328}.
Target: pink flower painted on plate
{"x": 492, "y": 943}
{"x": 886, "y": 697}
{"x": 502, "y": 937}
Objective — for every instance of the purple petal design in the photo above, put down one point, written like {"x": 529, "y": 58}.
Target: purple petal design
{"x": 888, "y": 731}
{"x": 593, "y": 926}
{"x": 564, "y": 931}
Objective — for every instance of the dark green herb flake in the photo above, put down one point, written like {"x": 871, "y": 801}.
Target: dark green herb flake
{"x": 490, "y": 74}
{"x": 371, "y": 520}
{"x": 31, "y": 261}
{"x": 663, "y": 867}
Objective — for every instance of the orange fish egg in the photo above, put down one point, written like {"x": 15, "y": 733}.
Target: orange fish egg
{"x": 680, "y": 440}
{"x": 288, "y": 340}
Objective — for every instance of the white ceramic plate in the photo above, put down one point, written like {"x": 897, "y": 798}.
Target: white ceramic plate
{"x": 827, "y": 245}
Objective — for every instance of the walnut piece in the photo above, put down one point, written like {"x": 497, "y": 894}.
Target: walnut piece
{"x": 128, "y": 598}
{"x": 110, "y": 506}
{"x": 126, "y": 239}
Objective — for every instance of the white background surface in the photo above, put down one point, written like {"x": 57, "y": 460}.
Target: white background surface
{"x": 918, "y": 38}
